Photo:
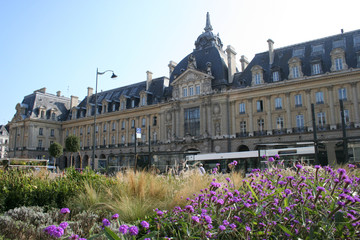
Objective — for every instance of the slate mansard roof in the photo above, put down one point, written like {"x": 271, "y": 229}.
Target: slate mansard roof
{"x": 32, "y": 103}
{"x": 308, "y": 52}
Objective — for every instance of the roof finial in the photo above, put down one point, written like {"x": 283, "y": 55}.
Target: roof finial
{"x": 208, "y": 27}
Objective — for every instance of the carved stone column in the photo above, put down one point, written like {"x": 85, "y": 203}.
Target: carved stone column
{"x": 332, "y": 108}
{"x": 269, "y": 119}
{"x": 209, "y": 119}
{"x": 308, "y": 103}
{"x": 251, "y": 118}
{"x": 288, "y": 114}
{"x": 127, "y": 125}
{"x": 356, "y": 105}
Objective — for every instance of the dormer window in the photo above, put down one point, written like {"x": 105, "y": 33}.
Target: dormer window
{"x": 113, "y": 107}
{"x": 143, "y": 101}
{"x": 122, "y": 105}
{"x": 132, "y": 103}
{"x": 42, "y": 114}
{"x": 338, "y": 60}
{"x": 295, "y": 68}
{"x": 53, "y": 115}
{"x": 276, "y": 76}
{"x": 315, "y": 68}
{"x": 257, "y": 75}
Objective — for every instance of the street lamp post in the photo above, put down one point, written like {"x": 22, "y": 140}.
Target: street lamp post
{"x": 94, "y": 136}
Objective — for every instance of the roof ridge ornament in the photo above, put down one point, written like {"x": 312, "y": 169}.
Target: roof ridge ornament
{"x": 208, "y": 27}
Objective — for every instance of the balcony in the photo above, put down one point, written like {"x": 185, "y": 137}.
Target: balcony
{"x": 86, "y": 148}
{"x": 260, "y": 133}
{"x": 299, "y": 129}
{"x": 242, "y": 134}
{"x": 40, "y": 149}
{"x": 279, "y": 131}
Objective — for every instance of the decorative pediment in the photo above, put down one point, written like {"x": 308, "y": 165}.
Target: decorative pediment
{"x": 191, "y": 83}
{"x": 191, "y": 76}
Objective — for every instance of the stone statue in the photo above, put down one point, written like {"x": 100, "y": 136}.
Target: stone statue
{"x": 191, "y": 62}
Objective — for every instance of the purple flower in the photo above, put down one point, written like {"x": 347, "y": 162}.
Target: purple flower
{"x": 64, "y": 225}
{"x": 235, "y": 163}
{"x": 263, "y": 156}
{"x": 159, "y": 213}
{"x": 341, "y": 171}
{"x": 189, "y": 208}
{"x": 145, "y": 224}
{"x": 208, "y": 219}
{"x": 220, "y": 201}
{"x": 222, "y": 227}
{"x": 115, "y": 216}
{"x": 351, "y": 165}
{"x": 247, "y": 228}
{"x": 287, "y": 191}
{"x": 133, "y": 230}
{"x": 74, "y": 236}
{"x": 271, "y": 159}
{"x": 232, "y": 225}
{"x": 195, "y": 219}
{"x": 320, "y": 189}
{"x": 281, "y": 182}
{"x": 226, "y": 222}
{"x": 218, "y": 164}
{"x": 317, "y": 166}
{"x": 299, "y": 166}
{"x": 106, "y": 222}
{"x": 65, "y": 210}
{"x": 123, "y": 229}
{"x": 228, "y": 179}
{"x": 277, "y": 156}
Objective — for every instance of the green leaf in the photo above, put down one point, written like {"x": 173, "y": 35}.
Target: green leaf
{"x": 252, "y": 190}
{"x": 271, "y": 195}
{"x": 285, "y": 229}
{"x": 110, "y": 234}
{"x": 286, "y": 202}
{"x": 150, "y": 235}
{"x": 250, "y": 211}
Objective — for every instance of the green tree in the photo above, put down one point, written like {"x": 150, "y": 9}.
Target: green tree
{"x": 72, "y": 144}
{"x": 55, "y": 150}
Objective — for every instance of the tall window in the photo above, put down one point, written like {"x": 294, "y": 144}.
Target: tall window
{"x": 154, "y": 121}
{"x": 257, "y": 78}
{"x": 191, "y": 91}
{"x": 242, "y": 108}
{"x": 261, "y": 124}
{"x": 122, "y": 139}
{"x": 316, "y": 68}
{"x": 184, "y": 91}
{"x": 259, "y": 106}
{"x": 342, "y": 94}
{"x": 192, "y": 121}
{"x": 132, "y": 123}
{"x": 299, "y": 121}
{"x": 41, "y": 131}
{"x": 52, "y": 132}
{"x": 40, "y": 142}
{"x": 113, "y": 140}
{"x": 113, "y": 126}
{"x": 295, "y": 71}
{"x": 243, "y": 126}
{"x": 338, "y": 64}
{"x": 97, "y": 128}
{"x": 279, "y": 123}
{"x": 123, "y": 124}
{"x": 321, "y": 116}
{"x": 319, "y": 97}
{"x": 105, "y": 127}
{"x": 143, "y": 122}
{"x": 53, "y": 116}
{"x": 133, "y": 138}
{"x": 276, "y": 76}
{"x": 197, "y": 89}
{"x": 81, "y": 131}
{"x": 278, "y": 103}
{"x": 88, "y": 130}
{"x": 298, "y": 100}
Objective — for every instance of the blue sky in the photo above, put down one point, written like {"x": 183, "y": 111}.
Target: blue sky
{"x": 59, "y": 44}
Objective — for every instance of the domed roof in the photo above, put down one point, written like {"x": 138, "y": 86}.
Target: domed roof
{"x": 207, "y": 38}
{"x": 208, "y": 53}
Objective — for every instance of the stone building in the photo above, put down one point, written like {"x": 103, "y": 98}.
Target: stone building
{"x": 4, "y": 141}
{"x": 208, "y": 105}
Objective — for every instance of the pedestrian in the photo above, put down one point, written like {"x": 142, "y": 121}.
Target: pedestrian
{"x": 201, "y": 169}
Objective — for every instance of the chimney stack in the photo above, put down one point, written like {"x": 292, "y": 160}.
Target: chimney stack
{"x": 244, "y": 62}
{"x": 74, "y": 101}
{"x": 271, "y": 51}
{"x": 89, "y": 93}
{"x": 148, "y": 79}
{"x": 171, "y": 66}
{"x": 231, "y": 63}
{"x": 58, "y": 93}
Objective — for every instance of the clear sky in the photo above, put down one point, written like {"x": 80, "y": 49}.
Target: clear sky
{"x": 58, "y": 44}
